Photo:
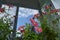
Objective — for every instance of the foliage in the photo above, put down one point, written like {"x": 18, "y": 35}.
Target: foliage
{"x": 4, "y": 29}
{"x": 47, "y": 23}
{"x": 47, "y": 34}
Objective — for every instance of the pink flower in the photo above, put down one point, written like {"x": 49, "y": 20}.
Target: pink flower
{"x": 55, "y": 10}
{"x": 21, "y": 28}
{"x": 38, "y": 29}
{"x": 34, "y": 23}
{"x": 2, "y": 10}
{"x": 36, "y": 15}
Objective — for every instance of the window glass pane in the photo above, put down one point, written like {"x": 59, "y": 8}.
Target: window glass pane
{"x": 24, "y": 16}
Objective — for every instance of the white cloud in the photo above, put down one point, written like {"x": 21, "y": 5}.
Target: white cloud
{"x": 25, "y": 12}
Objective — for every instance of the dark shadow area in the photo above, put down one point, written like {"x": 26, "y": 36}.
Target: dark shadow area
{"x": 22, "y": 3}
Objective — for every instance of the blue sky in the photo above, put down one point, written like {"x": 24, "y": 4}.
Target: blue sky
{"x": 24, "y": 15}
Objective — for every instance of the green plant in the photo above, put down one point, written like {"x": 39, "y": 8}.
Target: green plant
{"x": 4, "y": 29}
{"x": 48, "y": 23}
